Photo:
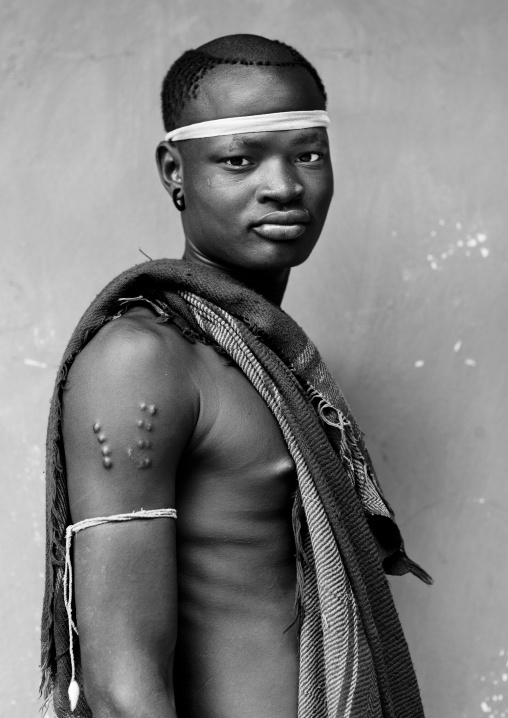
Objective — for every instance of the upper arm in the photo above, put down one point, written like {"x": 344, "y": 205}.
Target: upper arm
{"x": 129, "y": 409}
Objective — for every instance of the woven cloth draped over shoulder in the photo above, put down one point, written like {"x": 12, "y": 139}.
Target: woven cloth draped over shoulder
{"x": 353, "y": 656}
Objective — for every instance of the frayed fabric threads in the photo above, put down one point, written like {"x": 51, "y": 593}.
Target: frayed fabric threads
{"x": 73, "y": 690}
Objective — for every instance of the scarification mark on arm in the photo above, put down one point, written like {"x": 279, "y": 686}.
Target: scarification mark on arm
{"x": 107, "y": 461}
{"x": 139, "y": 453}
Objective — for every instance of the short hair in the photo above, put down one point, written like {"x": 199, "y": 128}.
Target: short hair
{"x": 182, "y": 80}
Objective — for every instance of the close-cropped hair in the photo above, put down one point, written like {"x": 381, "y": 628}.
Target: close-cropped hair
{"x": 183, "y": 78}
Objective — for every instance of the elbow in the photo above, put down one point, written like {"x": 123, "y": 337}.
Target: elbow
{"x": 131, "y": 699}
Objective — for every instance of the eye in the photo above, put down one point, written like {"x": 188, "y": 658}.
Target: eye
{"x": 238, "y": 161}
{"x": 310, "y": 157}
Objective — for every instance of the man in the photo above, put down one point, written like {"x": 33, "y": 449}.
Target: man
{"x": 242, "y": 432}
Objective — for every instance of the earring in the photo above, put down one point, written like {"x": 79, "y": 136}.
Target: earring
{"x": 179, "y": 202}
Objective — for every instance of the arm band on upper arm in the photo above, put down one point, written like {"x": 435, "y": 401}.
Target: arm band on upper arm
{"x": 74, "y": 529}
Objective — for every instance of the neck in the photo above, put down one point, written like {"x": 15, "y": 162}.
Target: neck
{"x": 271, "y": 284}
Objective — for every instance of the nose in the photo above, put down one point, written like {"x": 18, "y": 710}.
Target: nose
{"x": 279, "y": 183}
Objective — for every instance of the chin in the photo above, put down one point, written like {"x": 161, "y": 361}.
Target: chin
{"x": 261, "y": 256}
{"x": 285, "y": 255}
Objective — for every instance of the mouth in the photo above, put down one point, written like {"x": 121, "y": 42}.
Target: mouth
{"x": 282, "y": 225}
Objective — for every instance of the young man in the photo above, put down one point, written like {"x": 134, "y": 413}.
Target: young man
{"x": 187, "y": 388}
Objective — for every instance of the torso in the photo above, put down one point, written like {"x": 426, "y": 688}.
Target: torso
{"x": 236, "y": 653}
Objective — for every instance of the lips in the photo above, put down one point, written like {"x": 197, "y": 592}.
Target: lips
{"x": 282, "y": 225}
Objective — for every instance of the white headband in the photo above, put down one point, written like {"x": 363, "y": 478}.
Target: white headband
{"x": 271, "y": 122}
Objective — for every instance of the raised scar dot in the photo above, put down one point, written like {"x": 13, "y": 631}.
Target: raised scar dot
{"x": 96, "y": 427}
{"x": 152, "y": 409}
{"x": 148, "y": 426}
{"x": 101, "y": 438}
{"x": 140, "y": 423}
{"x": 145, "y": 463}
{"x": 107, "y": 463}
{"x": 106, "y": 451}
{"x": 142, "y": 406}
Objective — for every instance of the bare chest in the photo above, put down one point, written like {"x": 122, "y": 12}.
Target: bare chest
{"x": 236, "y": 566}
{"x": 238, "y": 470}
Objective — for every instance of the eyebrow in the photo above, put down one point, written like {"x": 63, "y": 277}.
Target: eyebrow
{"x": 303, "y": 138}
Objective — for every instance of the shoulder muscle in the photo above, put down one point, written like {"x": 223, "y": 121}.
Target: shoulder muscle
{"x": 129, "y": 409}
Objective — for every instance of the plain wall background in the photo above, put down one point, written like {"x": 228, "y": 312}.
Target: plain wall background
{"x": 405, "y": 294}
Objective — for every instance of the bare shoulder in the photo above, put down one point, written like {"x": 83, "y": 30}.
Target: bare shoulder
{"x": 135, "y": 344}
{"x": 129, "y": 409}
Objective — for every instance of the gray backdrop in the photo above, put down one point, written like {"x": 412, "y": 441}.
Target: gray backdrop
{"x": 404, "y": 294}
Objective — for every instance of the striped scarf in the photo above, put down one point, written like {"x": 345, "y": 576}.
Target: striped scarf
{"x": 354, "y": 661}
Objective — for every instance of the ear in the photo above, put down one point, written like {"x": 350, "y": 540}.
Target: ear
{"x": 169, "y": 163}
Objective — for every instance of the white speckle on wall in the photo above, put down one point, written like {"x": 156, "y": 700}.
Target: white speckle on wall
{"x": 468, "y": 243}
{"x": 35, "y": 363}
